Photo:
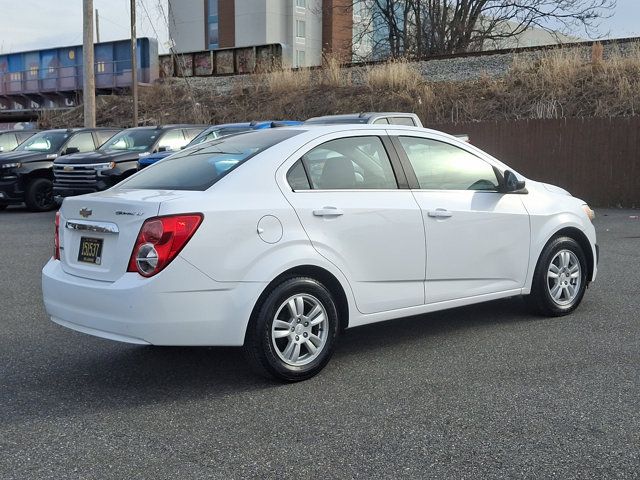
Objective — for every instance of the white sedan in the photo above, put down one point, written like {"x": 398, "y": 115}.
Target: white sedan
{"x": 279, "y": 239}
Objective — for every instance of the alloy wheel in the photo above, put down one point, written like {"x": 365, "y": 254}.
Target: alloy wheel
{"x": 564, "y": 277}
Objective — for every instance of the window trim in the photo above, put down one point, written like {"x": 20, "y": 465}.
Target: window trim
{"x": 411, "y": 174}
{"x": 396, "y": 166}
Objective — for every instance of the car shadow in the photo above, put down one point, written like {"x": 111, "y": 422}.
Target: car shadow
{"x": 102, "y": 375}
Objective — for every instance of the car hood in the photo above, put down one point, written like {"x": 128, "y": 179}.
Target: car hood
{"x": 554, "y": 189}
{"x": 98, "y": 156}
{"x": 24, "y": 157}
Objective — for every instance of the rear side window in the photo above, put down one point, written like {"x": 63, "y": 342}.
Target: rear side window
{"x": 297, "y": 177}
{"x": 350, "y": 163}
{"x": 198, "y": 168}
{"x": 172, "y": 140}
{"x": 441, "y": 166}
{"x": 8, "y": 142}
{"x": 402, "y": 121}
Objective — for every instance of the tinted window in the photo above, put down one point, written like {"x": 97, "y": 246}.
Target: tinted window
{"x": 45, "y": 142}
{"x": 297, "y": 177}
{"x": 198, "y": 168}
{"x": 402, "y": 121}
{"x": 441, "y": 166}
{"x": 82, "y": 141}
{"x": 136, "y": 139}
{"x": 191, "y": 133}
{"x": 350, "y": 163}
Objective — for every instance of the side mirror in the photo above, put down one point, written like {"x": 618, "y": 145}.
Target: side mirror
{"x": 71, "y": 150}
{"x": 162, "y": 149}
{"x": 511, "y": 184}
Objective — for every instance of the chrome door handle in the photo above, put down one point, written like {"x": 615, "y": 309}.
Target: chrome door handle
{"x": 439, "y": 213}
{"x": 328, "y": 212}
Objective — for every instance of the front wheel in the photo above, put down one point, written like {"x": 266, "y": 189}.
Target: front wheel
{"x": 292, "y": 336}
{"x": 560, "y": 278}
{"x": 39, "y": 195}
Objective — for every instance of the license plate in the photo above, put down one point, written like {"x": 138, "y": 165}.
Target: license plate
{"x": 90, "y": 250}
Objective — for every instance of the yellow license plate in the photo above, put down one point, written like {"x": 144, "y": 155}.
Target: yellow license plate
{"x": 90, "y": 250}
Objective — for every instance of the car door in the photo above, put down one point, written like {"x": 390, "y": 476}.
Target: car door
{"x": 477, "y": 238}
{"x": 347, "y": 196}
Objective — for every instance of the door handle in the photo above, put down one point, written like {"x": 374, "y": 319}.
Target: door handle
{"x": 439, "y": 213}
{"x": 328, "y": 212}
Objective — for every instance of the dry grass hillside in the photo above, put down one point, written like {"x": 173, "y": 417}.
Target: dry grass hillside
{"x": 561, "y": 83}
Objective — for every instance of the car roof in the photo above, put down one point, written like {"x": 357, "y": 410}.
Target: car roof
{"x": 363, "y": 115}
{"x": 168, "y": 127}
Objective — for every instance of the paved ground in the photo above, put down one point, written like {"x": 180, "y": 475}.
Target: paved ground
{"x": 482, "y": 392}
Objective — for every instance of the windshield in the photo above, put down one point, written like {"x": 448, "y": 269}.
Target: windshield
{"x": 45, "y": 142}
{"x": 200, "y": 167}
{"x": 138, "y": 140}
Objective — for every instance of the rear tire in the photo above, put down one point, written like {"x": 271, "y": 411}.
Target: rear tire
{"x": 292, "y": 335}
{"x": 39, "y": 195}
{"x": 560, "y": 278}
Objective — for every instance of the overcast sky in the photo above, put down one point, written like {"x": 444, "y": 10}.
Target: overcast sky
{"x": 36, "y": 24}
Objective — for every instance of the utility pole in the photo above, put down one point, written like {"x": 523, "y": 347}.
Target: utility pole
{"x": 134, "y": 63}
{"x": 89, "y": 79}
{"x": 97, "y": 27}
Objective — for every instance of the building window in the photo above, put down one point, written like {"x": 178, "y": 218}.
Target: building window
{"x": 301, "y": 3}
{"x": 301, "y": 60}
{"x": 301, "y": 28}
{"x": 212, "y": 20}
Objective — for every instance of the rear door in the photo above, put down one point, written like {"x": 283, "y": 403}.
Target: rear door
{"x": 351, "y": 204}
{"x": 477, "y": 239}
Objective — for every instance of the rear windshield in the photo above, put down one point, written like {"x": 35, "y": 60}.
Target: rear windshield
{"x": 200, "y": 167}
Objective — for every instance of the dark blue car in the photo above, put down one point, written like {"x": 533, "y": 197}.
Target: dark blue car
{"x": 218, "y": 131}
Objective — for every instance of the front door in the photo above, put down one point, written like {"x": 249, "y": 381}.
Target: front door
{"x": 477, "y": 239}
{"x": 346, "y": 195}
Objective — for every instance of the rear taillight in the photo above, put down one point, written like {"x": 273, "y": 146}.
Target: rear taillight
{"x": 160, "y": 240}
{"x": 56, "y": 239}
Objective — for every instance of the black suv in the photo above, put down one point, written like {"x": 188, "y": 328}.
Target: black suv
{"x": 10, "y": 139}
{"x": 117, "y": 159}
{"x": 26, "y": 173}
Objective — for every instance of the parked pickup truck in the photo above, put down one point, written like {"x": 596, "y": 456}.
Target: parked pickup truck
{"x": 218, "y": 131}
{"x": 26, "y": 173}
{"x": 10, "y": 139}
{"x": 376, "y": 118}
{"x": 117, "y": 159}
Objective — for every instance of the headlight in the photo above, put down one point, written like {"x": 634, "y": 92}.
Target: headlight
{"x": 105, "y": 166}
{"x": 590, "y": 213}
{"x": 11, "y": 165}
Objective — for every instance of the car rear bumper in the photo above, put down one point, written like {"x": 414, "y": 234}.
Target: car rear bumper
{"x": 183, "y": 307}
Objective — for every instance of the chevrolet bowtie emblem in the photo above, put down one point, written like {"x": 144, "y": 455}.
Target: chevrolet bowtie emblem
{"x": 85, "y": 212}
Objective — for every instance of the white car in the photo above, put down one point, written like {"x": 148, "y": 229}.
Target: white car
{"x": 279, "y": 239}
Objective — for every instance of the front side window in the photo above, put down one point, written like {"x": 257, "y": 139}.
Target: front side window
{"x": 441, "y": 166}
{"x": 82, "y": 141}
{"x": 45, "y": 142}
{"x": 172, "y": 140}
{"x": 8, "y": 142}
{"x": 104, "y": 135}
{"x": 198, "y": 168}
{"x": 350, "y": 163}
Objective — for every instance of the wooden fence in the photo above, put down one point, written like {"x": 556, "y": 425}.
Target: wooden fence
{"x": 596, "y": 159}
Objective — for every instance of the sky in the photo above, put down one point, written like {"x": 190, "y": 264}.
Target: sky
{"x": 37, "y": 24}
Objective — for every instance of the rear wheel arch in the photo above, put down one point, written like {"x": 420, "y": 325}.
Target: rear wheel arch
{"x": 317, "y": 273}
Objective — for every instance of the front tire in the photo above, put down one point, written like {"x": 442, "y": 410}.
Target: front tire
{"x": 293, "y": 333}
{"x": 560, "y": 278}
{"x": 39, "y": 195}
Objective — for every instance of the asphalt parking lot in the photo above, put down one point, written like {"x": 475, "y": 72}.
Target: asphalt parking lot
{"x": 488, "y": 391}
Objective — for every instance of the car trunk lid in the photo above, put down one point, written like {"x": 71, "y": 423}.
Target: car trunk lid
{"x": 98, "y": 231}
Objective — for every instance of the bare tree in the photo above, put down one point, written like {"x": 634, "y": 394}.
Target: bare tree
{"x": 428, "y": 27}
